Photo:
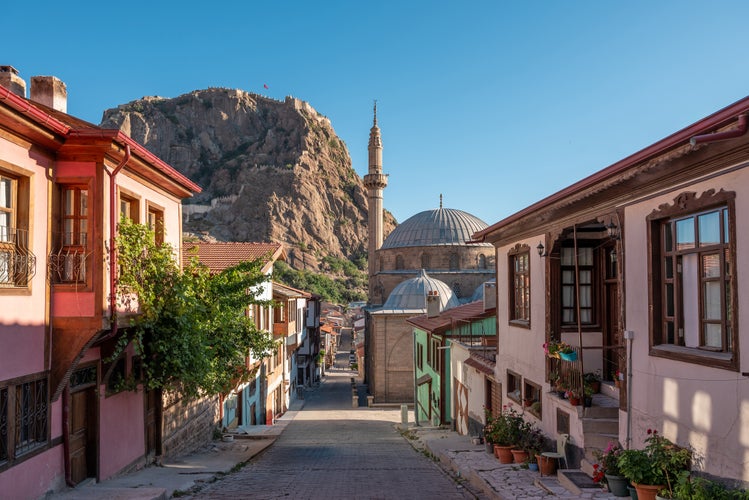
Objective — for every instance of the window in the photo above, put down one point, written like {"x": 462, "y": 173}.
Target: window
{"x": 420, "y": 356}
{"x": 69, "y": 264}
{"x": 514, "y": 387}
{"x": 435, "y": 360}
{"x": 399, "y": 262}
{"x": 156, "y": 223}
{"x": 17, "y": 263}
{"x": 24, "y": 416}
{"x": 482, "y": 261}
{"x": 454, "y": 262}
{"x": 693, "y": 287}
{"x": 425, "y": 261}
{"x": 129, "y": 208}
{"x": 532, "y": 401}
{"x": 585, "y": 275}
{"x": 520, "y": 285}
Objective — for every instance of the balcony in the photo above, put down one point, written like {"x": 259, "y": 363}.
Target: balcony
{"x": 68, "y": 264}
{"x": 17, "y": 262}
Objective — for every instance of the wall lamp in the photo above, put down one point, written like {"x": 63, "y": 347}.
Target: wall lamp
{"x": 613, "y": 230}
{"x": 541, "y": 250}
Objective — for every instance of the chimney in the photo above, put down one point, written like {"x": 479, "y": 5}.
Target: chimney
{"x": 490, "y": 295}
{"x": 433, "y": 304}
{"x": 10, "y": 80}
{"x": 50, "y": 91}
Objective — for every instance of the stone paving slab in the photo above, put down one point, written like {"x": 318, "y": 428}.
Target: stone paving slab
{"x": 484, "y": 472}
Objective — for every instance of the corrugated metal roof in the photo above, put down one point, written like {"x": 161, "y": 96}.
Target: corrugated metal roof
{"x": 219, "y": 256}
{"x": 443, "y": 226}
{"x": 445, "y": 319}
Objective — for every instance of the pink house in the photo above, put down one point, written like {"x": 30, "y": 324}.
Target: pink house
{"x": 641, "y": 268}
{"x": 64, "y": 183}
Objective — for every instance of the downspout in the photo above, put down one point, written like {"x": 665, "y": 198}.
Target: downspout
{"x": 112, "y": 231}
{"x": 416, "y": 392}
{"x": 66, "y": 434}
{"x": 628, "y": 336}
{"x": 722, "y": 136}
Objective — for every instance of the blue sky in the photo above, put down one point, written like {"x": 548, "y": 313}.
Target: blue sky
{"x": 493, "y": 104}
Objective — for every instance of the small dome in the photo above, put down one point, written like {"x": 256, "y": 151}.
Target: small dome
{"x": 443, "y": 226}
{"x": 412, "y": 294}
{"x": 478, "y": 294}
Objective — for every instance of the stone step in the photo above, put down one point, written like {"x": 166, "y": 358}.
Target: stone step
{"x": 601, "y": 411}
{"x": 600, "y": 440}
{"x": 600, "y": 425}
{"x": 586, "y": 465}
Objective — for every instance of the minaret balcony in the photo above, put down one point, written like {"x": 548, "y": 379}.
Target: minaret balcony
{"x": 375, "y": 181}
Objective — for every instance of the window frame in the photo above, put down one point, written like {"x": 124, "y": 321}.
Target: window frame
{"x": 155, "y": 221}
{"x": 16, "y": 448}
{"x": 62, "y": 247}
{"x": 513, "y": 255}
{"x": 688, "y": 205}
{"x": 132, "y": 201}
{"x": 514, "y": 384}
{"x": 17, "y": 242}
{"x": 595, "y": 275}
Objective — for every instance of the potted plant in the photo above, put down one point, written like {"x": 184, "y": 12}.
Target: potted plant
{"x": 655, "y": 468}
{"x": 507, "y": 430}
{"x": 587, "y": 395}
{"x": 553, "y": 379}
{"x": 607, "y": 472}
{"x": 574, "y": 397}
{"x": 551, "y": 348}
{"x": 488, "y": 431}
{"x": 594, "y": 379}
{"x": 532, "y": 441}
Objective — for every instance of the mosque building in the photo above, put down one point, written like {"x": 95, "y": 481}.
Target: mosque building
{"x": 429, "y": 254}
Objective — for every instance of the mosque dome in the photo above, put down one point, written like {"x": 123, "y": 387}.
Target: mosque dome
{"x": 478, "y": 294}
{"x": 442, "y": 226}
{"x": 412, "y": 293}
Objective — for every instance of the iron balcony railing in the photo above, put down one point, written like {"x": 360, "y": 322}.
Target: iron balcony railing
{"x": 17, "y": 262}
{"x": 68, "y": 263}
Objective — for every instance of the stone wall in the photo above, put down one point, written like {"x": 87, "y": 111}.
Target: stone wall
{"x": 187, "y": 426}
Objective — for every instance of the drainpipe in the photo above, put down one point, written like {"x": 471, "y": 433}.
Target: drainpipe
{"x": 112, "y": 253}
{"x": 721, "y": 136}
{"x": 416, "y": 391}
{"x": 629, "y": 336}
{"x": 66, "y": 435}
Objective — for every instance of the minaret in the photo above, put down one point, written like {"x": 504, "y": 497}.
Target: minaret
{"x": 375, "y": 181}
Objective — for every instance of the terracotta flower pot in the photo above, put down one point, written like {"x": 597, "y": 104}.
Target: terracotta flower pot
{"x": 503, "y": 453}
{"x": 647, "y": 491}
{"x": 519, "y": 456}
{"x": 575, "y": 401}
{"x": 547, "y": 465}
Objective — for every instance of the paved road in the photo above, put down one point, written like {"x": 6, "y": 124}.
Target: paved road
{"x": 334, "y": 451}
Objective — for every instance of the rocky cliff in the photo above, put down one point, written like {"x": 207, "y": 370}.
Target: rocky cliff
{"x": 270, "y": 170}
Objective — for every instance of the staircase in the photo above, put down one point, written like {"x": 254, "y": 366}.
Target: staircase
{"x": 600, "y": 425}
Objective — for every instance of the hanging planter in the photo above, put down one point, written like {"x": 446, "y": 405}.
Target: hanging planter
{"x": 568, "y": 356}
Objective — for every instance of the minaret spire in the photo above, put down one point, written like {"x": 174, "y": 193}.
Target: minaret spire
{"x": 440, "y": 201}
{"x": 375, "y": 181}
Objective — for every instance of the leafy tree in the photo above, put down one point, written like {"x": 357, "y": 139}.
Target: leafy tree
{"x": 191, "y": 329}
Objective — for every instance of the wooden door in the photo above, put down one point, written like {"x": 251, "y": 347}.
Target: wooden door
{"x": 82, "y": 431}
{"x": 611, "y": 335}
{"x": 152, "y": 424}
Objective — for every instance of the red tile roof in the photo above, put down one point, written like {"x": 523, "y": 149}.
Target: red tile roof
{"x": 473, "y": 310}
{"x": 219, "y": 256}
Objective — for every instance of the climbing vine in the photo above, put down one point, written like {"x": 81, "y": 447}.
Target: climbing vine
{"x": 191, "y": 329}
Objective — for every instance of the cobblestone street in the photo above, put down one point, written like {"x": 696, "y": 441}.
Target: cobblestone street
{"x": 332, "y": 450}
